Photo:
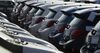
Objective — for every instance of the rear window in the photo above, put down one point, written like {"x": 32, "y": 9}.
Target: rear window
{"x": 25, "y": 7}
{"x": 32, "y": 10}
{"x": 39, "y": 12}
{"x": 77, "y": 23}
{"x": 97, "y": 27}
{"x": 65, "y": 19}
{"x": 51, "y": 14}
{"x": 82, "y": 16}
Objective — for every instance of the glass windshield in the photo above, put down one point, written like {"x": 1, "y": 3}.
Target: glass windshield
{"x": 25, "y": 8}
{"x": 39, "y": 12}
{"x": 32, "y": 10}
{"x": 16, "y": 6}
{"x": 97, "y": 27}
{"x": 65, "y": 19}
{"x": 77, "y": 23}
{"x": 51, "y": 14}
{"x": 19, "y": 7}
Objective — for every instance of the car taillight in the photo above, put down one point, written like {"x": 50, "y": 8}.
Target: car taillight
{"x": 62, "y": 28}
{"x": 39, "y": 20}
{"x": 51, "y": 23}
{"x": 77, "y": 33}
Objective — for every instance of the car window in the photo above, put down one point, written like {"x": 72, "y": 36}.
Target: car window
{"x": 97, "y": 27}
{"x": 19, "y": 6}
{"x": 65, "y": 19}
{"x": 39, "y": 12}
{"x": 51, "y": 14}
{"x": 25, "y": 8}
{"x": 32, "y": 10}
{"x": 77, "y": 23}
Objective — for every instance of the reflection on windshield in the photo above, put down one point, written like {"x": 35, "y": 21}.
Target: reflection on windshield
{"x": 65, "y": 19}
{"x": 19, "y": 7}
{"x": 62, "y": 18}
{"x": 51, "y": 14}
{"x": 32, "y": 10}
{"x": 97, "y": 27}
{"x": 39, "y": 12}
{"x": 77, "y": 23}
{"x": 25, "y": 8}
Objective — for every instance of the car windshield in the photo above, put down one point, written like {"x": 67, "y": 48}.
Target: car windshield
{"x": 65, "y": 19}
{"x": 25, "y": 8}
{"x": 51, "y": 14}
{"x": 77, "y": 23}
{"x": 97, "y": 27}
{"x": 32, "y": 10}
{"x": 39, "y": 12}
{"x": 19, "y": 7}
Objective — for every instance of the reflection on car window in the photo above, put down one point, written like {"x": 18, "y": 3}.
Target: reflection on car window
{"x": 32, "y": 10}
{"x": 77, "y": 23}
{"x": 39, "y": 12}
{"x": 62, "y": 18}
{"x": 51, "y": 14}
{"x": 65, "y": 19}
{"x": 25, "y": 7}
{"x": 97, "y": 27}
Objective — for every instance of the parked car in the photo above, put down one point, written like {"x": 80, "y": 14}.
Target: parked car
{"x": 92, "y": 41}
{"x": 55, "y": 13}
{"x": 43, "y": 10}
{"x": 11, "y": 45}
{"x": 58, "y": 24}
{"x": 77, "y": 30}
{"x": 14, "y": 31}
{"x": 16, "y": 11}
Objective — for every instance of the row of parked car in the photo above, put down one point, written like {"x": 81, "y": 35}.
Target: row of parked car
{"x": 14, "y": 39}
{"x": 67, "y": 27}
